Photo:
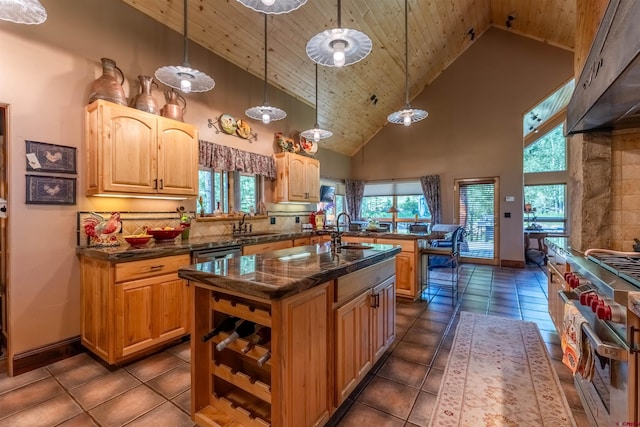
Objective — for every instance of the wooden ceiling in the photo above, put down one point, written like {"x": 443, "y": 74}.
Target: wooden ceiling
{"x": 438, "y": 34}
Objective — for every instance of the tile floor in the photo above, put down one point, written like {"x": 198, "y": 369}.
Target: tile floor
{"x": 400, "y": 390}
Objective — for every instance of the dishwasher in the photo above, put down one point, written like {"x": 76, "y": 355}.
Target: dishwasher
{"x": 213, "y": 254}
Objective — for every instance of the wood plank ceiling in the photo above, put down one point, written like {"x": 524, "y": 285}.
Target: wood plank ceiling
{"x": 438, "y": 34}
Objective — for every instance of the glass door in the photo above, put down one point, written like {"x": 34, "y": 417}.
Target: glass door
{"x": 475, "y": 209}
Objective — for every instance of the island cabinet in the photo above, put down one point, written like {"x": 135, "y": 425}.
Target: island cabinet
{"x": 298, "y": 178}
{"x": 323, "y": 340}
{"x": 130, "y": 308}
{"x": 266, "y": 247}
{"x": 134, "y": 152}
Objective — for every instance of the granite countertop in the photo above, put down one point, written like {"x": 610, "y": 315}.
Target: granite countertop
{"x": 153, "y": 249}
{"x": 285, "y": 272}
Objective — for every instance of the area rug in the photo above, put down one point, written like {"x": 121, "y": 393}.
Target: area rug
{"x": 499, "y": 374}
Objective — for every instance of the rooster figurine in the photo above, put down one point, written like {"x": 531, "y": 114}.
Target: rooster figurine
{"x": 101, "y": 232}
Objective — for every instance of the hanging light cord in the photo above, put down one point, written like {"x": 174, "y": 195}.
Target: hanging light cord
{"x": 186, "y": 38}
{"x": 339, "y": 15}
{"x": 265, "y": 58}
{"x": 317, "y": 125}
{"x": 406, "y": 52}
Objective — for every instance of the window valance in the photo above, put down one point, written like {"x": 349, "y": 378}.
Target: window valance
{"x": 222, "y": 158}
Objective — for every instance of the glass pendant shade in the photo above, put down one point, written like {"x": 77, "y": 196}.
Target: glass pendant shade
{"x": 407, "y": 115}
{"x": 339, "y": 47}
{"x": 275, "y": 7}
{"x": 183, "y": 77}
{"x": 316, "y": 134}
{"x": 29, "y": 12}
{"x": 265, "y": 112}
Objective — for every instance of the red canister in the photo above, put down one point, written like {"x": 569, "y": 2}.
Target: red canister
{"x": 312, "y": 220}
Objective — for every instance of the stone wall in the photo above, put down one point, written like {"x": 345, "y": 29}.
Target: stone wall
{"x": 625, "y": 189}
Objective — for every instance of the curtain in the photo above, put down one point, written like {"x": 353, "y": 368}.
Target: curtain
{"x": 222, "y": 158}
{"x": 431, "y": 190}
{"x": 354, "y": 192}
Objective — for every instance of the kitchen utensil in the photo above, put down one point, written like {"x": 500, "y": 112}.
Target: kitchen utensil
{"x": 107, "y": 86}
{"x": 138, "y": 239}
{"x": 166, "y": 233}
{"x": 172, "y": 109}
{"x": 145, "y": 100}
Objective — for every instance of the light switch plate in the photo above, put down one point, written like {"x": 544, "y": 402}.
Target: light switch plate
{"x": 510, "y": 199}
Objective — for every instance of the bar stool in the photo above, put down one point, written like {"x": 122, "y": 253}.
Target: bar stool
{"x": 452, "y": 261}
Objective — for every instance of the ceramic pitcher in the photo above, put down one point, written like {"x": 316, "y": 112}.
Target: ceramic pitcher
{"x": 172, "y": 109}
{"x": 145, "y": 100}
{"x": 108, "y": 86}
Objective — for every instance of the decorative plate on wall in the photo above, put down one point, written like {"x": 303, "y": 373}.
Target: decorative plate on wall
{"x": 308, "y": 146}
{"x": 228, "y": 124}
{"x": 243, "y": 129}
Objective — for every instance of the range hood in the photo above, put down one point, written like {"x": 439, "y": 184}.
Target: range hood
{"x": 607, "y": 95}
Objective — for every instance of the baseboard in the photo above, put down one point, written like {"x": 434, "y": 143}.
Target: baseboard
{"x": 511, "y": 263}
{"x": 39, "y": 357}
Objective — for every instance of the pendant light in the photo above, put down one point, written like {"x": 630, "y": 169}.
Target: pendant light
{"x": 184, "y": 77}
{"x": 265, "y": 112}
{"x": 316, "y": 134}
{"x": 275, "y": 7}
{"x": 340, "y": 46}
{"x": 407, "y": 115}
{"x": 28, "y": 12}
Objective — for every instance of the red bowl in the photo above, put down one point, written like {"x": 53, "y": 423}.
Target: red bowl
{"x": 164, "y": 234}
{"x": 138, "y": 240}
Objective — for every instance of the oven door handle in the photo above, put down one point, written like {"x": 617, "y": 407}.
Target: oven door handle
{"x": 563, "y": 296}
{"x": 605, "y": 349}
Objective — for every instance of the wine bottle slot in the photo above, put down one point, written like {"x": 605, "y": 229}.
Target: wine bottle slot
{"x": 261, "y": 336}
{"x": 264, "y": 358}
{"x": 225, "y": 326}
{"x": 243, "y": 329}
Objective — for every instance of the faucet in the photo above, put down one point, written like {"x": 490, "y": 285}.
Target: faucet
{"x": 338, "y": 220}
{"x": 336, "y": 238}
{"x": 242, "y": 229}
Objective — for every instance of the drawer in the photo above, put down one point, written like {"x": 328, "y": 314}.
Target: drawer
{"x": 349, "y": 286}
{"x": 134, "y": 270}
{"x": 266, "y": 247}
{"x": 356, "y": 239}
{"x": 407, "y": 245}
{"x": 303, "y": 241}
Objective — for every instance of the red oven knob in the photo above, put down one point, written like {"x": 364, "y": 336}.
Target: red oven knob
{"x": 567, "y": 274}
{"x": 585, "y": 298}
{"x": 595, "y": 302}
{"x": 604, "y": 312}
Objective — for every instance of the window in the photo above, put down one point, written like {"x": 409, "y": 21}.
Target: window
{"x": 547, "y": 154}
{"x": 548, "y": 208}
{"x": 248, "y": 192}
{"x": 213, "y": 188}
{"x": 376, "y": 207}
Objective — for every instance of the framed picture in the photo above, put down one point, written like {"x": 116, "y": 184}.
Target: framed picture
{"x": 43, "y": 157}
{"x": 51, "y": 190}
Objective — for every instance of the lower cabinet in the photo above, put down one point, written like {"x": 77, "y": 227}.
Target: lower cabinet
{"x": 131, "y": 308}
{"x": 266, "y": 247}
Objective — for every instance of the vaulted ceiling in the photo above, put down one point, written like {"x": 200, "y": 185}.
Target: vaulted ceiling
{"x": 438, "y": 33}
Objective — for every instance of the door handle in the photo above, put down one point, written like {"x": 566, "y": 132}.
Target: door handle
{"x": 155, "y": 184}
{"x": 162, "y": 183}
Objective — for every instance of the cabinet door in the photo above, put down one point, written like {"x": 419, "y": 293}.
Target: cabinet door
{"x": 405, "y": 280}
{"x": 312, "y": 180}
{"x": 171, "y": 309}
{"x": 177, "y": 158}
{"x": 129, "y": 150}
{"x": 353, "y": 344}
{"x": 302, "y": 241}
{"x": 297, "y": 179}
{"x": 383, "y": 317}
{"x": 134, "y": 317}
{"x": 266, "y": 247}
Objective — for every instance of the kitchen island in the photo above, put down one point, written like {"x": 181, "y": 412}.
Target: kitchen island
{"x": 330, "y": 315}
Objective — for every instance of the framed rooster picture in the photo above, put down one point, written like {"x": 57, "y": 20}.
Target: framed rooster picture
{"x": 50, "y": 190}
{"x": 43, "y": 157}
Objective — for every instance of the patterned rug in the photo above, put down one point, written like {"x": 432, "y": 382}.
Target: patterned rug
{"x": 499, "y": 374}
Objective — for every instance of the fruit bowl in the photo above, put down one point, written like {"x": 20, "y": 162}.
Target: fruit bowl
{"x": 138, "y": 239}
{"x": 167, "y": 233}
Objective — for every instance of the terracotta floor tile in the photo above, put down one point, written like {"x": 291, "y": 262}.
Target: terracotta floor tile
{"x": 126, "y": 407}
{"x": 166, "y": 414}
{"x": 433, "y": 381}
{"x": 153, "y": 366}
{"x": 436, "y": 316}
{"x": 68, "y": 363}
{"x": 173, "y": 382}
{"x": 421, "y": 412}
{"x": 404, "y": 321}
{"x": 422, "y": 337}
{"x": 361, "y": 415}
{"x": 409, "y": 310}
{"x": 183, "y": 401}
{"x": 82, "y": 373}
{"x": 11, "y": 383}
{"x": 403, "y": 371}
{"x": 441, "y": 359}
{"x": 100, "y": 390}
{"x": 430, "y": 325}
{"x": 389, "y": 396}
{"x": 183, "y": 351}
{"x": 416, "y": 353}
{"x": 28, "y": 396}
{"x": 82, "y": 420}
{"x": 48, "y": 413}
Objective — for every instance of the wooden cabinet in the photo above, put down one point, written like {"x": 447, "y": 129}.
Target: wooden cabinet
{"x": 133, "y": 152}
{"x": 298, "y": 178}
{"x": 266, "y": 247}
{"x": 129, "y": 308}
{"x": 301, "y": 241}
{"x": 313, "y": 240}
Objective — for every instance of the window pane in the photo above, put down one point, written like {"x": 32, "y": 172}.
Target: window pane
{"x": 247, "y": 192}
{"x": 205, "y": 190}
{"x": 410, "y": 206}
{"x": 548, "y": 210}
{"x": 376, "y": 207}
{"x": 547, "y": 154}
{"x": 340, "y": 207}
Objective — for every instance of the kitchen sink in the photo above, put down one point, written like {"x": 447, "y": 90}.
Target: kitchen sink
{"x": 355, "y": 246}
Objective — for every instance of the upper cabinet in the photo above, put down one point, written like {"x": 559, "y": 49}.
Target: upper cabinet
{"x": 133, "y": 152}
{"x": 298, "y": 178}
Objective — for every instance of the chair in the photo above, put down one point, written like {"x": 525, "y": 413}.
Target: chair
{"x": 418, "y": 228}
{"x": 449, "y": 256}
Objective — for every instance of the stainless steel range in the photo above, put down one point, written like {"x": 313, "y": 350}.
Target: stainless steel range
{"x": 598, "y": 283}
